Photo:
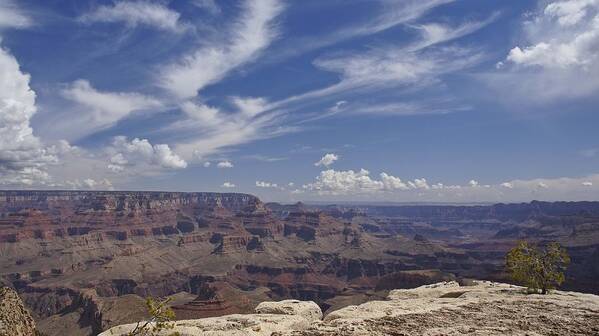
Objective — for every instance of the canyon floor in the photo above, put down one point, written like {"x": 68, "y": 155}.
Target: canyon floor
{"x": 482, "y": 308}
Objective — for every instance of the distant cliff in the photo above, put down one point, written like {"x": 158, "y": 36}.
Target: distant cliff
{"x": 48, "y": 214}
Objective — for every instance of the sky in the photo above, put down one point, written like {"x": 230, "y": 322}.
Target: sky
{"x": 353, "y": 100}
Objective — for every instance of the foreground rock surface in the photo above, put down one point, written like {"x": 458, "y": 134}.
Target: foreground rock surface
{"x": 15, "y": 320}
{"x": 484, "y": 308}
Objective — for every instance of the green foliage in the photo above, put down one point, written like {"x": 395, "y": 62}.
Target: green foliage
{"x": 536, "y": 268}
{"x": 161, "y": 317}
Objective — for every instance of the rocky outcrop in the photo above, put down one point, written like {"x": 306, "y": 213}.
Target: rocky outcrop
{"x": 307, "y": 309}
{"x": 483, "y": 308}
{"x": 15, "y": 320}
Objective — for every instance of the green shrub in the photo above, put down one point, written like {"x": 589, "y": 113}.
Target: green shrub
{"x": 540, "y": 269}
{"x": 161, "y": 317}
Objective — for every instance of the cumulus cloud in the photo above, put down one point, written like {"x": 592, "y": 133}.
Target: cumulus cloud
{"x": 228, "y": 185}
{"x": 349, "y": 182}
{"x": 23, "y": 157}
{"x": 140, "y": 154}
{"x": 327, "y": 160}
{"x": 225, "y": 164}
{"x": 249, "y": 35}
{"x": 104, "y": 109}
{"x": 88, "y": 183}
{"x": 361, "y": 185}
{"x": 568, "y": 39}
{"x": 12, "y": 17}
{"x": 264, "y": 184}
{"x": 507, "y": 185}
{"x": 559, "y": 58}
{"x": 206, "y": 164}
{"x": 135, "y": 13}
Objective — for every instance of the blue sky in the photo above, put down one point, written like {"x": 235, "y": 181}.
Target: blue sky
{"x": 378, "y": 100}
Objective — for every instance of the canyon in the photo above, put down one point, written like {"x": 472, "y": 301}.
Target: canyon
{"x": 83, "y": 262}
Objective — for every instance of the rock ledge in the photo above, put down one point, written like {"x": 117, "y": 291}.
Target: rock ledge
{"x": 446, "y": 308}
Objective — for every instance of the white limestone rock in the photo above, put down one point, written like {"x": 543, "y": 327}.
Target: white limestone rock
{"x": 230, "y": 325}
{"x": 307, "y": 309}
{"x": 485, "y": 308}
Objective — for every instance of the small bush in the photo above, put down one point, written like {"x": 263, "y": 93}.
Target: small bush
{"x": 538, "y": 269}
{"x": 161, "y": 317}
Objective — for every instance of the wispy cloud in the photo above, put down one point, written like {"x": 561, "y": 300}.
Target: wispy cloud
{"x": 389, "y": 14}
{"x": 252, "y": 32}
{"x": 209, "y": 5}
{"x": 207, "y": 130}
{"x": 103, "y": 109}
{"x": 135, "y": 13}
{"x": 11, "y": 16}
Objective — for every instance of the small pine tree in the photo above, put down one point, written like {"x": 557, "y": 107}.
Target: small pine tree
{"x": 538, "y": 269}
{"x": 161, "y": 317}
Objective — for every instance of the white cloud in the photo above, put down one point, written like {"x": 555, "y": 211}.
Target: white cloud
{"x": 344, "y": 182}
{"x": 435, "y": 33}
{"x": 88, "y": 183}
{"x": 327, "y": 160}
{"x": 135, "y": 13}
{"x": 250, "y": 106}
{"x": 507, "y": 185}
{"x": 225, "y": 164}
{"x": 542, "y": 185}
{"x": 206, "y": 116}
{"x": 249, "y": 35}
{"x": 571, "y": 12}
{"x": 351, "y": 185}
{"x": 389, "y": 14}
{"x": 419, "y": 184}
{"x": 23, "y": 158}
{"x": 12, "y": 17}
{"x": 333, "y": 182}
{"x": 139, "y": 154}
{"x": 105, "y": 108}
{"x": 393, "y": 183}
{"x": 206, "y": 164}
{"x": 209, "y": 5}
{"x": 228, "y": 185}
{"x": 388, "y": 67}
{"x": 559, "y": 58}
{"x": 207, "y": 130}
{"x": 263, "y": 184}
